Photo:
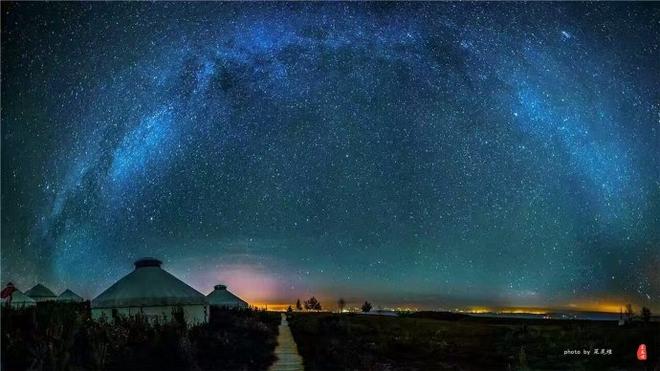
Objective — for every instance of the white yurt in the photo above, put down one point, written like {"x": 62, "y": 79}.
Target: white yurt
{"x": 41, "y": 293}
{"x": 152, "y": 292}
{"x": 17, "y": 299}
{"x": 69, "y": 296}
{"x": 221, "y": 297}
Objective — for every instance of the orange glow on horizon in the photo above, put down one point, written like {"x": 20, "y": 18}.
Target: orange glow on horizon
{"x": 275, "y": 307}
{"x": 598, "y": 306}
{"x": 508, "y": 310}
{"x": 587, "y": 306}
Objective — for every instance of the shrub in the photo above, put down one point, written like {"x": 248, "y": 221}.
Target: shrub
{"x": 59, "y": 336}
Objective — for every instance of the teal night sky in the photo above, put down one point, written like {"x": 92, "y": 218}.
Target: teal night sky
{"x": 431, "y": 154}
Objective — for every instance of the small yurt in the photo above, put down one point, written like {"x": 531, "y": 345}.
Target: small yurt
{"x": 68, "y": 296}
{"x": 41, "y": 293}
{"x": 222, "y": 298}
{"x": 152, "y": 292}
{"x": 17, "y": 299}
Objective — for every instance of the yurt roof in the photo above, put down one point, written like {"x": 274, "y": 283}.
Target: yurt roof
{"x": 221, "y": 296}
{"x": 148, "y": 285}
{"x": 69, "y": 295}
{"x": 19, "y": 297}
{"x": 40, "y": 291}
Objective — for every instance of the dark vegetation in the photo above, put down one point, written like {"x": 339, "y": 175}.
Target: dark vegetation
{"x": 437, "y": 341}
{"x": 366, "y": 307}
{"x": 237, "y": 340}
{"x": 57, "y": 336}
{"x": 646, "y": 314}
{"x": 313, "y": 304}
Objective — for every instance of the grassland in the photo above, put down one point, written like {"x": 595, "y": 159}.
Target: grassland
{"x": 430, "y": 342}
{"x": 57, "y": 336}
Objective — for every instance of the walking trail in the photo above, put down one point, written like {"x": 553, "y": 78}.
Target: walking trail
{"x": 288, "y": 358}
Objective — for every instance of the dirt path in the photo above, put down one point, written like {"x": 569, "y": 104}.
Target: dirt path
{"x": 288, "y": 358}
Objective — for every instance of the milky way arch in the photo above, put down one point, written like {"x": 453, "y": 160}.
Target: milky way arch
{"x": 427, "y": 153}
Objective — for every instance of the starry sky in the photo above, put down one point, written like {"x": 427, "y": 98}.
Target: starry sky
{"x": 435, "y": 155}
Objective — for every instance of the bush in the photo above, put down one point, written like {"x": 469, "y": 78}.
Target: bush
{"x": 366, "y": 307}
{"x": 432, "y": 341}
{"x": 236, "y": 339}
{"x": 58, "y": 336}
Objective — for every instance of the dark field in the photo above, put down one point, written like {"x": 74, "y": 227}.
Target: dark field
{"x": 56, "y": 336}
{"x": 368, "y": 342}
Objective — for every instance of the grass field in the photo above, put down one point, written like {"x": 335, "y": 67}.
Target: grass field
{"x": 59, "y": 336}
{"x": 368, "y": 342}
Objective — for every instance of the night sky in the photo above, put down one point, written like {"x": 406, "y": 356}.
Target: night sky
{"x": 436, "y": 155}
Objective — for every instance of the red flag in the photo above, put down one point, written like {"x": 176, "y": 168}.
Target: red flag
{"x": 641, "y": 352}
{"x": 7, "y": 291}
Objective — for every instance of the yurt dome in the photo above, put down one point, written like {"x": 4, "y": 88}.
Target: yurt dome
{"x": 18, "y": 299}
{"x": 221, "y": 297}
{"x": 148, "y": 285}
{"x": 70, "y": 296}
{"x": 40, "y": 293}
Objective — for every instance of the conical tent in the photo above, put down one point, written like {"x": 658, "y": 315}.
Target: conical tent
{"x": 152, "y": 292}
{"x": 40, "y": 293}
{"x": 70, "y": 296}
{"x": 221, "y": 297}
{"x": 18, "y": 299}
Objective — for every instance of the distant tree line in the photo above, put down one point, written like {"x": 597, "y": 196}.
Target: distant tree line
{"x": 313, "y": 304}
{"x": 628, "y": 314}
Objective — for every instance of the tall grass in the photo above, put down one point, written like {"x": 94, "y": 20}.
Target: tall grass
{"x": 62, "y": 336}
{"x": 436, "y": 342}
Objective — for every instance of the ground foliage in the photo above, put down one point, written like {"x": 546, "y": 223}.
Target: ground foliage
{"x": 436, "y": 342}
{"x": 57, "y": 336}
